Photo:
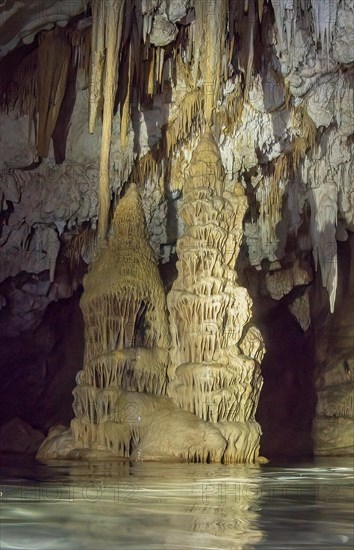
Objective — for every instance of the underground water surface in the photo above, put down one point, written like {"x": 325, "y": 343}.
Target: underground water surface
{"x": 143, "y": 506}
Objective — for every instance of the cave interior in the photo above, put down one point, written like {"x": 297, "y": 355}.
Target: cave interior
{"x": 176, "y": 237}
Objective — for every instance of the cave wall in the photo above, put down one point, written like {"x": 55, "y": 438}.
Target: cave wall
{"x": 38, "y": 370}
{"x": 333, "y": 427}
{"x": 284, "y": 128}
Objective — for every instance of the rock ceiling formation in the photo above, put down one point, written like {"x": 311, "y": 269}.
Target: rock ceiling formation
{"x": 98, "y": 94}
{"x": 279, "y": 93}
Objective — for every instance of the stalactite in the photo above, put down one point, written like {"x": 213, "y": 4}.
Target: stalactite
{"x": 279, "y": 12}
{"x": 324, "y": 18}
{"x": 125, "y": 116}
{"x": 80, "y": 40}
{"x": 79, "y": 246}
{"x": 97, "y": 60}
{"x": 272, "y": 186}
{"x": 19, "y": 91}
{"x": 181, "y": 125}
{"x": 323, "y": 21}
{"x": 229, "y": 116}
{"x": 324, "y": 211}
{"x": 211, "y": 19}
{"x": 260, "y": 9}
{"x": 113, "y": 23}
{"x": 249, "y": 68}
{"x": 151, "y": 73}
{"x": 53, "y": 62}
{"x": 148, "y": 167}
{"x": 306, "y": 140}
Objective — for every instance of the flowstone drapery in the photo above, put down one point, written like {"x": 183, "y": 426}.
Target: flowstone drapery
{"x": 214, "y": 371}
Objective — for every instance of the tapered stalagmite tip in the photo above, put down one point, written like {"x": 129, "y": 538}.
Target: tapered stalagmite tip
{"x": 206, "y": 168}
{"x": 207, "y": 147}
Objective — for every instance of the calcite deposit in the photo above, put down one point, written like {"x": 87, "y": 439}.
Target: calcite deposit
{"x": 209, "y": 375}
{"x": 98, "y": 94}
{"x": 130, "y": 393}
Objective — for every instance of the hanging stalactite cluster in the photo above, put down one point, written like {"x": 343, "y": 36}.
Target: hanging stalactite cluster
{"x": 120, "y": 59}
{"x": 37, "y": 85}
{"x": 218, "y": 44}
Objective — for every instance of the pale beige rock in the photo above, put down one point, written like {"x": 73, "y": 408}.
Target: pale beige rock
{"x": 58, "y": 444}
{"x": 207, "y": 370}
{"x": 120, "y": 401}
{"x": 252, "y": 344}
{"x": 163, "y": 31}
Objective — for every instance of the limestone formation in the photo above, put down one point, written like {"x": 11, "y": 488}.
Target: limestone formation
{"x": 333, "y": 426}
{"x": 126, "y": 330}
{"x": 19, "y": 437}
{"x": 209, "y": 375}
{"x": 124, "y": 402}
{"x": 300, "y": 308}
{"x": 120, "y": 401}
{"x": 280, "y": 282}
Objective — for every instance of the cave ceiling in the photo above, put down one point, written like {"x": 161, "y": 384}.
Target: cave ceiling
{"x": 274, "y": 79}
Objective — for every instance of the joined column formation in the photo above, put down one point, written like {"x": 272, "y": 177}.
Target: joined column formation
{"x": 140, "y": 395}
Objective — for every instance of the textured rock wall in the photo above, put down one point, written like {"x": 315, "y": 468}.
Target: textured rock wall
{"x": 38, "y": 370}
{"x": 333, "y": 427}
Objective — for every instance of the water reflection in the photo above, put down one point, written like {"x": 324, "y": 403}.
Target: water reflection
{"x": 79, "y": 505}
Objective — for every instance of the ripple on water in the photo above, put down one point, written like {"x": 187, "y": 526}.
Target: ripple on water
{"x": 82, "y": 506}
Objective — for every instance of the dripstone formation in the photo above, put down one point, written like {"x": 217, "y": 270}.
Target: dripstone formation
{"x": 139, "y": 395}
{"x": 126, "y": 333}
{"x": 214, "y": 370}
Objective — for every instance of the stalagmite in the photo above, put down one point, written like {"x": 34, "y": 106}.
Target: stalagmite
{"x": 208, "y": 373}
{"x": 133, "y": 398}
{"x": 126, "y": 334}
